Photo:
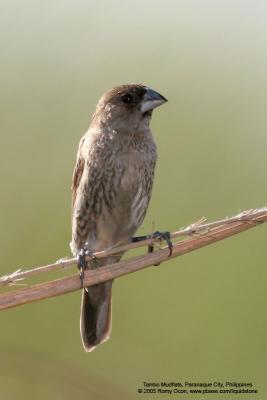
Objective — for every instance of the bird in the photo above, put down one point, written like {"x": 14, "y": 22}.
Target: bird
{"x": 111, "y": 189}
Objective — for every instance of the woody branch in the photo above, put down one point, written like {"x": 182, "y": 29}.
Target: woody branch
{"x": 197, "y": 235}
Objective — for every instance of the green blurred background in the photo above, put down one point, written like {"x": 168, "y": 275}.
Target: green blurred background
{"x": 201, "y": 317}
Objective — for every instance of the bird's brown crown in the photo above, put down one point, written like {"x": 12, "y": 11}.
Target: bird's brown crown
{"x": 129, "y": 95}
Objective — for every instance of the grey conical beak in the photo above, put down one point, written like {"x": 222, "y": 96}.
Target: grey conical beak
{"x": 151, "y": 100}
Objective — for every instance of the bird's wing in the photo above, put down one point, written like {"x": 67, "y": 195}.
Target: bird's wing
{"x": 77, "y": 173}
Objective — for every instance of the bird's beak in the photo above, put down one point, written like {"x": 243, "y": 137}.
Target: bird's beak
{"x": 151, "y": 100}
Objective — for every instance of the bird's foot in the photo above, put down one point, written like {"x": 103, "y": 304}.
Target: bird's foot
{"x": 156, "y": 235}
{"x": 82, "y": 263}
{"x": 161, "y": 236}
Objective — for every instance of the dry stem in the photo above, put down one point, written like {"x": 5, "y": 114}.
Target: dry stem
{"x": 199, "y": 235}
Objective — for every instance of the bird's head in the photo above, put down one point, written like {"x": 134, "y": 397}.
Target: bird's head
{"x": 127, "y": 107}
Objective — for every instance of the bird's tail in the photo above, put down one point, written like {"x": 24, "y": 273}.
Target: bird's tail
{"x": 95, "y": 321}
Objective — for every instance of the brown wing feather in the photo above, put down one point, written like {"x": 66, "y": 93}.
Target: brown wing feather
{"x": 77, "y": 173}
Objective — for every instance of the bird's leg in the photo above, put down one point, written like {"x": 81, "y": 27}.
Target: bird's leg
{"x": 156, "y": 235}
{"x": 136, "y": 239}
{"x": 82, "y": 263}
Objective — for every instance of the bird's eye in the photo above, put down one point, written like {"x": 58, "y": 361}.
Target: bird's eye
{"x": 127, "y": 98}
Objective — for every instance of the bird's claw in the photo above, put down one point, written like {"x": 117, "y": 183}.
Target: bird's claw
{"x": 82, "y": 263}
{"x": 161, "y": 236}
{"x": 156, "y": 235}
